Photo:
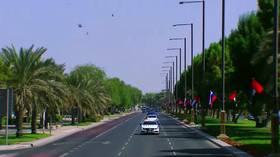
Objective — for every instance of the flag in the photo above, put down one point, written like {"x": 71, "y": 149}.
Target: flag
{"x": 187, "y": 102}
{"x": 256, "y": 87}
{"x": 194, "y": 103}
{"x": 181, "y": 102}
{"x": 232, "y": 96}
{"x": 197, "y": 98}
{"x": 212, "y": 98}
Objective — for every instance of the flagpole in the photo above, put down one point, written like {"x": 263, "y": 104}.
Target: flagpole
{"x": 223, "y": 112}
{"x": 275, "y": 121}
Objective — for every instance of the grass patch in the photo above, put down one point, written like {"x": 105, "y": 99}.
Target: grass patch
{"x": 77, "y": 124}
{"x": 84, "y": 123}
{"x": 254, "y": 140}
{"x": 24, "y": 138}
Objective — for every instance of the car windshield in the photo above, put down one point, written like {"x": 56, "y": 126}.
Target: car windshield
{"x": 149, "y": 123}
{"x": 152, "y": 116}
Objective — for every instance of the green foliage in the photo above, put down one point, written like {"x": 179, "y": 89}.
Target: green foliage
{"x": 243, "y": 44}
{"x": 41, "y": 84}
{"x": 123, "y": 96}
{"x": 153, "y": 99}
{"x": 35, "y": 80}
{"x": 265, "y": 13}
{"x": 58, "y": 118}
{"x": 248, "y": 54}
{"x": 87, "y": 90}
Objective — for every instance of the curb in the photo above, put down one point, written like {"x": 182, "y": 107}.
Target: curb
{"x": 235, "y": 151}
{"x": 53, "y": 138}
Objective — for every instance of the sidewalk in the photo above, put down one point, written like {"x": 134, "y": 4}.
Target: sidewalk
{"x": 60, "y": 133}
{"x": 232, "y": 149}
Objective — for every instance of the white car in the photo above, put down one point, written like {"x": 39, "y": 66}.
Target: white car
{"x": 151, "y": 118}
{"x": 150, "y": 127}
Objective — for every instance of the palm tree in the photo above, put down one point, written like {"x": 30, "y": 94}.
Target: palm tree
{"x": 31, "y": 77}
{"x": 88, "y": 94}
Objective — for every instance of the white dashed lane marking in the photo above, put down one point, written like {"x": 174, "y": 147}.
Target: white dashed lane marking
{"x": 169, "y": 141}
{"x": 64, "y": 155}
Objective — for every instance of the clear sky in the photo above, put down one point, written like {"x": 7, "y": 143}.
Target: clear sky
{"x": 126, "y": 38}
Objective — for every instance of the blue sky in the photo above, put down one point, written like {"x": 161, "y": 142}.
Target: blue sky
{"x": 130, "y": 45}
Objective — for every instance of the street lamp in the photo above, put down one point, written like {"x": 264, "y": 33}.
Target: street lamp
{"x": 275, "y": 116}
{"x": 176, "y": 85}
{"x": 171, "y": 80}
{"x": 185, "y": 62}
{"x": 192, "y": 67}
{"x": 176, "y": 66}
{"x": 190, "y": 24}
{"x": 203, "y": 29}
{"x": 180, "y": 58}
{"x": 203, "y": 53}
{"x": 223, "y": 112}
{"x": 185, "y": 51}
{"x": 167, "y": 89}
{"x": 169, "y": 76}
{"x": 172, "y": 75}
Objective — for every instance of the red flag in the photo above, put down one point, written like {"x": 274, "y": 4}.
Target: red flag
{"x": 232, "y": 96}
{"x": 180, "y": 102}
{"x": 256, "y": 86}
{"x": 197, "y": 98}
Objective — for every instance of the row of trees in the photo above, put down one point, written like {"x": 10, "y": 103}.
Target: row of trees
{"x": 41, "y": 86}
{"x": 248, "y": 55}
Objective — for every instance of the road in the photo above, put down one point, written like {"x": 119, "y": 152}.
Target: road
{"x": 121, "y": 138}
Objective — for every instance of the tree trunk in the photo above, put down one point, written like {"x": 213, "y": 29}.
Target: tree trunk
{"x": 217, "y": 114}
{"x": 34, "y": 120}
{"x": 213, "y": 113}
{"x": 228, "y": 115}
{"x": 235, "y": 118}
{"x": 73, "y": 116}
{"x": 47, "y": 118}
{"x": 41, "y": 120}
{"x": 19, "y": 121}
{"x": 1, "y": 127}
{"x": 203, "y": 114}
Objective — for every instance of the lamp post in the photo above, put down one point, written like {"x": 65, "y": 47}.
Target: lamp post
{"x": 165, "y": 75}
{"x": 203, "y": 29}
{"x": 176, "y": 62}
{"x": 223, "y": 112}
{"x": 275, "y": 116}
{"x": 204, "y": 80}
{"x": 192, "y": 67}
{"x": 168, "y": 84}
{"x": 171, "y": 75}
{"x": 185, "y": 63}
{"x": 190, "y": 24}
{"x": 180, "y": 58}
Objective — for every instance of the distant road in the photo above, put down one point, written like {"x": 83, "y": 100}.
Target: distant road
{"x": 121, "y": 138}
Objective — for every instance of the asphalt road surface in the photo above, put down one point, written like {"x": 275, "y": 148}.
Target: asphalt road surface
{"x": 122, "y": 138}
